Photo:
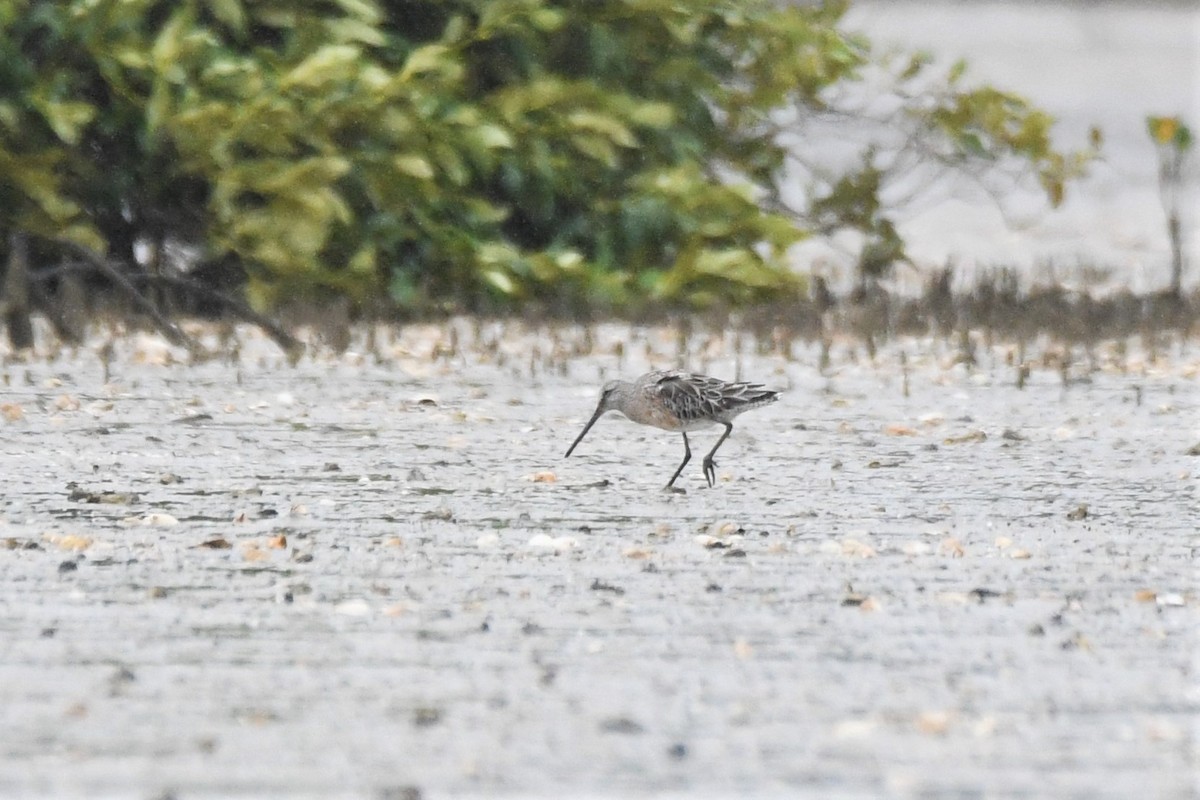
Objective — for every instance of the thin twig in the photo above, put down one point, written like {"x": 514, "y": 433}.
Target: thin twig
{"x": 288, "y": 343}
{"x": 165, "y": 326}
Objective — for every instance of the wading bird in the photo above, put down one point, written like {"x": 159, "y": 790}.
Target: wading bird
{"x": 680, "y": 401}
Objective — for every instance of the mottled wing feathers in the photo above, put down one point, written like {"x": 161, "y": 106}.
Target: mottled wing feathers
{"x": 692, "y": 397}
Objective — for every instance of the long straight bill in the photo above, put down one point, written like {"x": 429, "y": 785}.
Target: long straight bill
{"x": 586, "y": 428}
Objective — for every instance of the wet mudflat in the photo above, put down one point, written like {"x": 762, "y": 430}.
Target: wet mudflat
{"x": 373, "y": 575}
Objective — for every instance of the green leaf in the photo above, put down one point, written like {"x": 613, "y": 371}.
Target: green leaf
{"x": 168, "y": 49}
{"x": 366, "y": 11}
{"x": 1183, "y": 138}
{"x": 363, "y": 261}
{"x": 492, "y": 136}
{"x": 971, "y": 143}
{"x": 597, "y": 148}
{"x": 229, "y": 12}
{"x": 916, "y": 63}
{"x": 548, "y": 19}
{"x": 653, "y": 115}
{"x": 499, "y": 280}
{"x": 330, "y": 64}
{"x": 611, "y": 127}
{"x": 414, "y": 166}
{"x": 429, "y": 58}
{"x": 66, "y": 118}
{"x": 957, "y": 71}
{"x": 355, "y": 30}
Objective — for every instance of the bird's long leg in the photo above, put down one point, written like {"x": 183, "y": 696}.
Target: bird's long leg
{"x": 710, "y": 466}
{"x": 687, "y": 456}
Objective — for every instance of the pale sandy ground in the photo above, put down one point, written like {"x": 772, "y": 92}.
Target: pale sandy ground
{"x": 888, "y": 594}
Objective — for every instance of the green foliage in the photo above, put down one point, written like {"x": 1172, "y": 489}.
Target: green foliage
{"x": 1170, "y": 132}
{"x": 986, "y": 122}
{"x": 476, "y": 153}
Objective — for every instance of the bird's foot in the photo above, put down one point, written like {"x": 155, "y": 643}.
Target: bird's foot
{"x": 674, "y": 489}
{"x": 710, "y": 472}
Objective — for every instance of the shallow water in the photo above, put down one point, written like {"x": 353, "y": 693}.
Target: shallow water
{"x": 379, "y": 576}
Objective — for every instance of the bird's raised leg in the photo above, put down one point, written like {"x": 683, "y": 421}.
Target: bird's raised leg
{"x": 710, "y": 466}
{"x": 687, "y": 456}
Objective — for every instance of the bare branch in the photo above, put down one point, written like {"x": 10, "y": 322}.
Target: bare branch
{"x": 167, "y": 328}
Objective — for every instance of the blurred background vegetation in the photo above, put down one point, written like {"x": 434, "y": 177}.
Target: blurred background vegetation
{"x": 564, "y": 156}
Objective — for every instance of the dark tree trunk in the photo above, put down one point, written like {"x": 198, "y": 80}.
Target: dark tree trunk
{"x": 1176, "y": 236}
{"x": 16, "y": 293}
{"x": 71, "y": 308}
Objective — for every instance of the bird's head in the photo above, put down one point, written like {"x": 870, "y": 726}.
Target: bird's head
{"x": 608, "y": 402}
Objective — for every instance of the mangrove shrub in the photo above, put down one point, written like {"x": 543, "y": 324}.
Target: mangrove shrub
{"x": 478, "y": 154}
